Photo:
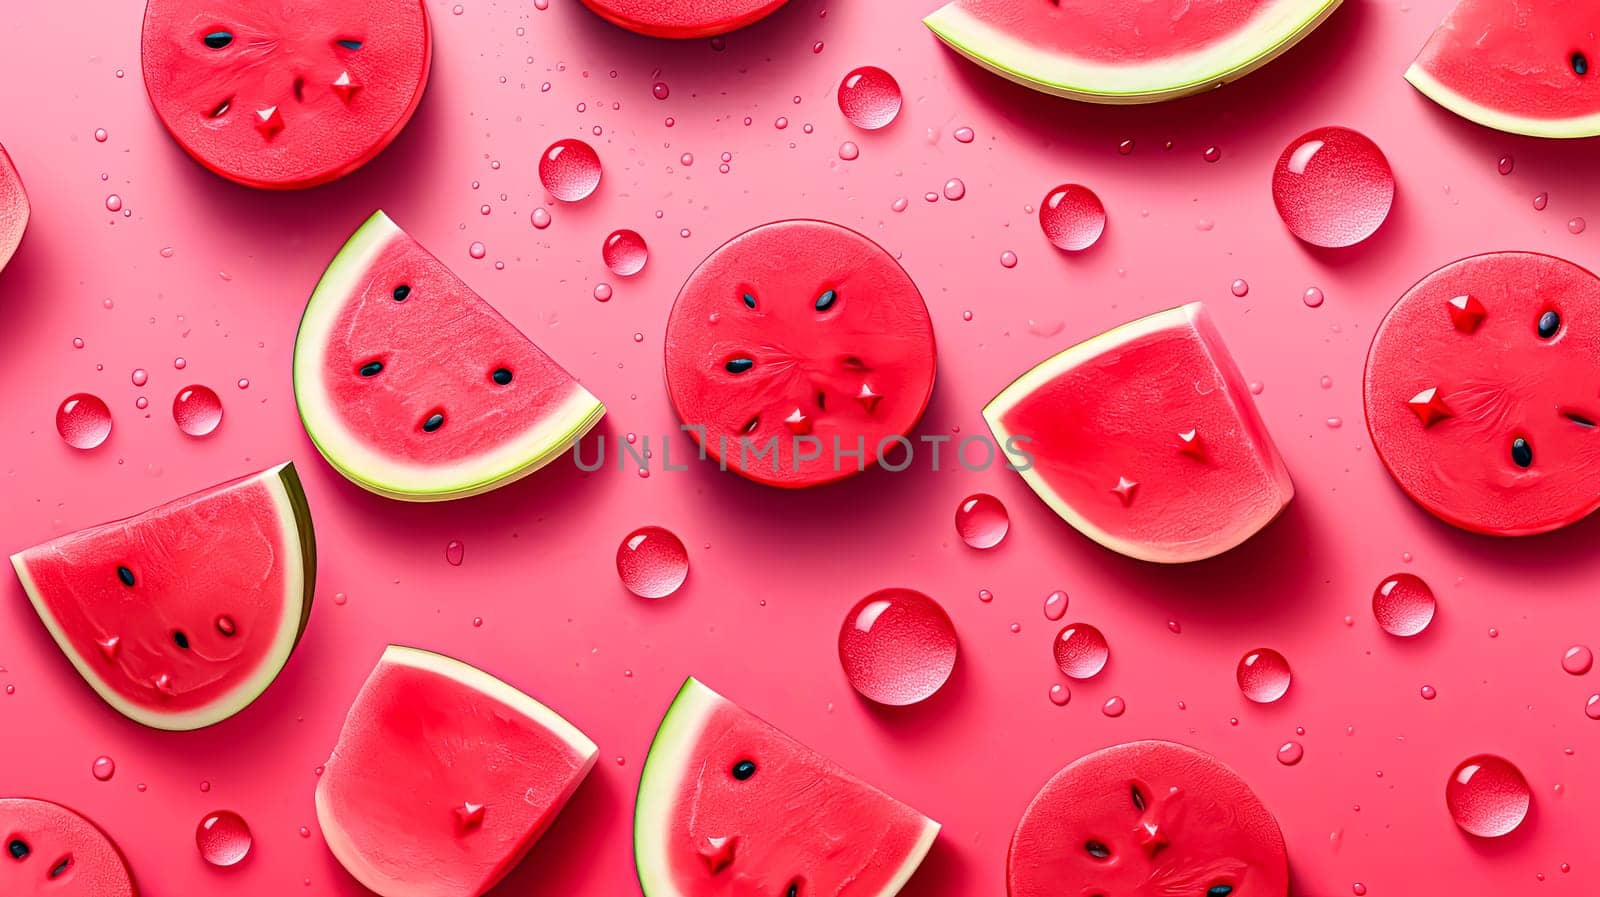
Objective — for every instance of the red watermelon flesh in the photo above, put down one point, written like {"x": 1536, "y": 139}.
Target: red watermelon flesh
{"x": 414, "y": 387}
{"x": 1147, "y": 819}
{"x": 444, "y": 777}
{"x": 683, "y": 18}
{"x": 50, "y": 851}
{"x": 181, "y": 616}
{"x": 1480, "y": 354}
{"x": 801, "y": 335}
{"x": 14, "y": 209}
{"x": 728, "y": 805}
{"x": 1146, "y": 440}
{"x": 1523, "y": 66}
{"x": 285, "y": 95}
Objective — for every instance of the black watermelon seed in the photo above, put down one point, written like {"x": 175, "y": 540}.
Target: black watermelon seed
{"x": 371, "y": 368}
{"x": 1580, "y": 63}
{"x": 401, "y": 292}
{"x": 216, "y": 40}
{"x": 126, "y": 575}
{"x": 61, "y": 866}
{"x": 1549, "y": 323}
{"x": 19, "y": 849}
{"x": 744, "y": 769}
{"x": 501, "y": 376}
{"x": 751, "y": 424}
{"x": 1138, "y": 799}
{"x": 827, "y": 299}
{"x": 1219, "y": 890}
{"x": 1578, "y": 419}
{"x": 222, "y": 108}
{"x": 739, "y": 365}
{"x": 1521, "y": 452}
{"x": 794, "y": 889}
{"x": 1097, "y": 850}
{"x": 749, "y": 301}
{"x": 349, "y": 44}
{"x": 434, "y": 422}
{"x": 179, "y": 639}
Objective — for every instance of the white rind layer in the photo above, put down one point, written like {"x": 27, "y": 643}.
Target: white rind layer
{"x": 1499, "y": 119}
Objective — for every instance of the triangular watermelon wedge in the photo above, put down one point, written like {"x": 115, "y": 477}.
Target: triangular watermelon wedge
{"x": 730, "y": 805}
{"x": 414, "y": 387}
{"x": 181, "y": 616}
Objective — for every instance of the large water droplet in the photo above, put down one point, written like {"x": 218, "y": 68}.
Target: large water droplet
{"x": 1264, "y": 676}
{"x": 1333, "y": 187}
{"x": 1578, "y": 660}
{"x": 197, "y": 410}
{"x": 1487, "y": 796}
{"x": 624, "y": 252}
{"x": 1403, "y": 605}
{"x": 83, "y": 421}
{"x": 652, "y": 562}
{"x": 981, "y": 520}
{"x": 869, "y": 97}
{"x": 1072, "y": 217}
{"x": 1081, "y": 651}
{"x": 223, "y": 838}
{"x": 897, "y": 647}
{"x": 570, "y": 170}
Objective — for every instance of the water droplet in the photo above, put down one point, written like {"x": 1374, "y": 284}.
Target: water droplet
{"x": 197, "y": 410}
{"x": 1313, "y": 297}
{"x": 897, "y": 647}
{"x": 624, "y": 253}
{"x": 981, "y": 520}
{"x": 1175, "y": 627}
{"x": 1506, "y": 164}
{"x": 1591, "y": 708}
{"x": 77, "y": 342}
{"x": 113, "y": 203}
{"x": 963, "y": 135}
{"x": 455, "y": 552}
{"x": 954, "y": 189}
{"x": 1577, "y": 225}
{"x": 1578, "y": 660}
{"x": 244, "y": 383}
{"x": 652, "y": 562}
{"x": 899, "y": 204}
{"x": 780, "y": 122}
{"x": 1403, "y": 605}
{"x": 848, "y": 151}
{"x": 1060, "y": 695}
{"x": 477, "y": 622}
{"x": 1213, "y": 153}
{"x": 1008, "y": 259}
{"x": 104, "y": 768}
{"x": 985, "y": 596}
{"x": 602, "y": 292}
{"x": 1264, "y": 676}
{"x": 141, "y": 403}
{"x": 1359, "y": 889}
{"x": 477, "y": 250}
{"x": 1240, "y": 288}
{"x": 1487, "y": 796}
{"x": 1333, "y": 187}
{"x": 1291, "y": 753}
{"x": 458, "y": 9}
{"x": 1114, "y": 707}
{"x": 1428, "y": 692}
{"x": 540, "y": 218}
{"x": 101, "y": 135}
{"x": 569, "y": 170}
{"x": 1335, "y": 423}
{"x": 1125, "y": 147}
{"x": 83, "y": 421}
{"x": 1072, "y": 217}
{"x": 340, "y": 598}
{"x": 686, "y": 160}
{"x": 140, "y": 377}
{"x": 223, "y": 838}
{"x": 869, "y": 97}
{"x": 660, "y": 90}
{"x": 1540, "y": 201}
{"x": 180, "y": 362}
{"x": 1055, "y": 605}
{"x": 1081, "y": 651}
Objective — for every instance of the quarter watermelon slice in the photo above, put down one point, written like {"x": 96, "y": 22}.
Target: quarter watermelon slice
{"x": 14, "y": 209}
{"x": 1145, "y": 439}
{"x": 1511, "y": 65}
{"x": 50, "y": 851}
{"x": 1125, "y": 51}
{"x": 730, "y": 805}
{"x": 683, "y": 18}
{"x": 283, "y": 95}
{"x": 444, "y": 777}
{"x": 181, "y": 616}
{"x": 414, "y": 387}
{"x": 1483, "y": 393}
{"x": 1147, "y": 818}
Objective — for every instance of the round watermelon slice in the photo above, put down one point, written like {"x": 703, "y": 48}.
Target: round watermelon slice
{"x": 181, "y": 616}
{"x": 798, "y": 352}
{"x": 683, "y": 18}
{"x": 1145, "y": 439}
{"x": 1125, "y": 51}
{"x": 1147, "y": 818}
{"x": 284, "y": 96}
{"x": 1483, "y": 393}
{"x": 1526, "y": 68}
{"x": 50, "y": 851}
{"x": 444, "y": 777}
{"x": 415, "y": 388}
{"x": 730, "y": 805}
{"x": 14, "y": 209}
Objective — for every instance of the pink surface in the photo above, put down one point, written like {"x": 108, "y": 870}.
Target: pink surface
{"x": 539, "y": 555}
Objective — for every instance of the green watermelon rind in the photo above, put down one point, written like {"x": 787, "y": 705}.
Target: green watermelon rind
{"x": 1500, "y": 119}
{"x": 1192, "y": 314}
{"x": 1245, "y": 51}
{"x": 374, "y": 471}
{"x": 300, "y": 572}
{"x": 664, "y": 767}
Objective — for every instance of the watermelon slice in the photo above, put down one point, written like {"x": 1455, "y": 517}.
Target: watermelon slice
{"x": 683, "y": 18}
{"x": 730, "y": 805}
{"x": 415, "y": 388}
{"x": 798, "y": 352}
{"x": 282, "y": 95}
{"x": 1147, "y": 818}
{"x": 1483, "y": 393}
{"x": 1527, "y": 68}
{"x": 14, "y": 208}
{"x": 444, "y": 777}
{"x": 1145, "y": 439}
{"x": 182, "y": 615}
{"x": 50, "y": 851}
{"x": 1125, "y": 51}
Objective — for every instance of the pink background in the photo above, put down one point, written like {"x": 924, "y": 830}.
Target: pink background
{"x": 773, "y": 572}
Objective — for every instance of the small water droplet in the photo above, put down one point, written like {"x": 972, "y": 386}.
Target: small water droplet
{"x": 1487, "y": 796}
{"x": 1081, "y": 651}
{"x": 848, "y": 151}
{"x": 1506, "y": 164}
{"x": 1326, "y": 382}
{"x": 897, "y": 647}
{"x": 900, "y": 203}
{"x": 1428, "y": 692}
{"x": 1313, "y": 297}
{"x": 1403, "y": 605}
{"x": 625, "y": 253}
{"x": 104, "y": 768}
{"x": 1264, "y": 676}
{"x": 113, "y": 203}
{"x": 180, "y": 362}
{"x": 1060, "y": 695}
{"x": 1055, "y": 605}
{"x": 1591, "y": 708}
{"x": 1125, "y": 147}
{"x": 454, "y": 552}
{"x": 1333, "y": 187}
{"x": 963, "y": 135}
{"x": 1175, "y": 627}
{"x": 869, "y": 97}
{"x": 569, "y": 170}
{"x": 1015, "y": 628}
{"x": 1072, "y": 217}
{"x": 1540, "y": 201}
{"x": 197, "y": 410}
{"x": 985, "y": 596}
{"x": 1578, "y": 660}
{"x": 982, "y": 521}
{"x": 1335, "y": 423}
{"x": 660, "y": 90}
{"x": 1577, "y": 225}
{"x": 1291, "y": 753}
{"x": 540, "y": 218}
{"x": 1359, "y": 889}
{"x": 223, "y": 838}
{"x": 477, "y": 622}
{"x": 100, "y": 135}
{"x": 140, "y": 377}
{"x": 340, "y": 598}
{"x": 477, "y": 250}
{"x": 1213, "y": 153}
{"x": 1008, "y": 259}
{"x": 954, "y": 189}
{"x": 1114, "y": 707}
{"x": 83, "y": 421}
{"x": 652, "y": 562}
{"x": 1240, "y": 288}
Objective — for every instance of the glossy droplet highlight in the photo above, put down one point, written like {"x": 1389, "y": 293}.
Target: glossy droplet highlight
{"x": 1333, "y": 187}
{"x": 104, "y": 768}
{"x": 223, "y": 838}
{"x": 1072, "y": 217}
{"x": 1291, "y": 753}
{"x": 981, "y": 520}
{"x": 83, "y": 421}
{"x": 1403, "y": 605}
{"x": 1487, "y": 796}
{"x": 897, "y": 647}
{"x": 1055, "y": 605}
{"x": 1578, "y": 660}
{"x": 625, "y": 253}
{"x": 652, "y": 562}
{"x": 869, "y": 97}
{"x": 197, "y": 410}
{"x": 1264, "y": 676}
{"x": 569, "y": 170}
{"x": 1081, "y": 651}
